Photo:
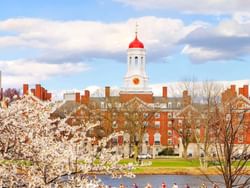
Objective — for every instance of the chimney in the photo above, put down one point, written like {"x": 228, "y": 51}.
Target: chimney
{"x": 164, "y": 92}
{"x": 241, "y": 91}
{"x": 77, "y": 97}
{"x": 25, "y": 89}
{"x": 49, "y": 96}
{"x": 107, "y": 91}
{"x": 186, "y": 99}
{"x": 42, "y": 93}
{"x": 45, "y": 94}
{"x": 245, "y": 91}
{"x": 38, "y": 91}
{"x": 1, "y": 94}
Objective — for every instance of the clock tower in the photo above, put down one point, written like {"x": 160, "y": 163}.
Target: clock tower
{"x": 136, "y": 79}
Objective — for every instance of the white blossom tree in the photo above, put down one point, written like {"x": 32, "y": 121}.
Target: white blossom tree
{"x": 37, "y": 151}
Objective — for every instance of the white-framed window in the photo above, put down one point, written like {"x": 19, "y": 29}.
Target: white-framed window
{"x": 180, "y": 121}
{"x": 241, "y": 117}
{"x": 169, "y": 105}
{"x": 114, "y": 124}
{"x": 157, "y": 115}
{"x": 178, "y": 104}
{"x": 197, "y": 132}
{"x": 169, "y": 123}
{"x": 170, "y": 115}
{"x": 146, "y": 138}
{"x": 136, "y": 60}
{"x": 145, "y": 114}
{"x": 157, "y": 138}
{"x": 145, "y": 123}
{"x": 170, "y": 142}
{"x": 126, "y": 137}
{"x": 102, "y": 104}
{"x": 170, "y": 133}
{"x": 114, "y": 140}
{"x": 228, "y": 117}
{"x": 198, "y": 123}
{"x": 240, "y": 138}
{"x": 157, "y": 124}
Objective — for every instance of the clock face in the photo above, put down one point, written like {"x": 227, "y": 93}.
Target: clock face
{"x": 136, "y": 81}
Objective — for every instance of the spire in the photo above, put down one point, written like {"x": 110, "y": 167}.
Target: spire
{"x": 136, "y": 29}
{"x": 136, "y": 43}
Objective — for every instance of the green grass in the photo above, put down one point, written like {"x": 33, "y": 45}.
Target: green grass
{"x": 18, "y": 162}
{"x": 167, "y": 162}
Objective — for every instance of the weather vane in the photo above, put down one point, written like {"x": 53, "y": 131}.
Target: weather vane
{"x": 136, "y": 28}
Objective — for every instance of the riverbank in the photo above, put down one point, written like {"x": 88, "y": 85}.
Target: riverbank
{"x": 173, "y": 167}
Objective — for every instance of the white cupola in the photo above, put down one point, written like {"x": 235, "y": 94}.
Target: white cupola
{"x": 136, "y": 78}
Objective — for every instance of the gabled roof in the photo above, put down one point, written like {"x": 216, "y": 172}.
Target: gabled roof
{"x": 186, "y": 109}
{"x": 138, "y": 103}
{"x": 240, "y": 97}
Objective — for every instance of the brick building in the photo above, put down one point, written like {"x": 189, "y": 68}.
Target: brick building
{"x": 156, "y": 122}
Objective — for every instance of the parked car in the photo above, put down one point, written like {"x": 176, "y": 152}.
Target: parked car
{"x": 145, "y": 156}
{"x": 241, "y": 156}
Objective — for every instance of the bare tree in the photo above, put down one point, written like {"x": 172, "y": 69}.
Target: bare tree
{"x": 230, "y": 127}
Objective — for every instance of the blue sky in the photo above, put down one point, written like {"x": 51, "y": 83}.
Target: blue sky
{"x": 74, "y": 44}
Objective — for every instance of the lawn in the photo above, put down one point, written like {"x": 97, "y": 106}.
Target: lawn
{"x": 167, "y": 162}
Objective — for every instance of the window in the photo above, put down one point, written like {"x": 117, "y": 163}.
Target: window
{"x": 170, "y": 133}
{"x": 146, "y": 138}
{"x": 228, "y": 117}
{"x": 169, "y": 105}
{"x": 114, "y": 124}
{"x": 114, "y": 140}
{"x": 180, "y": 122}
{"x": 157, "y": 115}
{"x": 157, "y": 138}
{"x": 126, "y": 123}
{"x": 240, "y": 138}
{"x": 145, "y": 123}
{"x": 170, "y": 115}
{"x": 102, "y": 105}
{"x": 157, "y": 124}
{"x": 198, "y": 123}
{"x": 126, "y": 137}
{"x": 145, "y": 115}
{"x": 241, "y": 117}
{"x": 169, "y": 123}
{"x": 136, "y": 60}
{"x": 170, "y": 142}
{"x": 178, "y": 104}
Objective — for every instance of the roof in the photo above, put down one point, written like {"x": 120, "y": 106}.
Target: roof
{"x": 136, "y": 43}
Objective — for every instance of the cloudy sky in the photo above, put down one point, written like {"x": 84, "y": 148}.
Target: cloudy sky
{"x": 76, "y": 44}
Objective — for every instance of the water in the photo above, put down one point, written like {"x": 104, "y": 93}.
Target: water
{"x": 156, "y": 180}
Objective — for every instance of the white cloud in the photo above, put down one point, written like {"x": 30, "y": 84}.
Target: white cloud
{"x": 17, "y": 72}
{"x": 76, "y": 40}
{"x": 229, "y": 40}
{"x": 193, "y": 6}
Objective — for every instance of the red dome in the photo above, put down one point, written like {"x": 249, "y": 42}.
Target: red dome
{"x": 136, "y": 43}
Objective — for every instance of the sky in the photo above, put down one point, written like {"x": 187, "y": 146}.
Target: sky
{"x": 74, "y": 44}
